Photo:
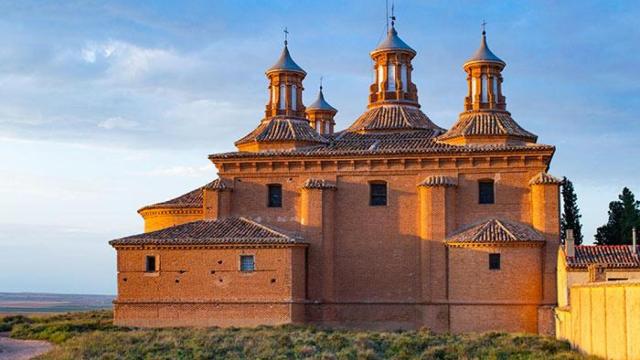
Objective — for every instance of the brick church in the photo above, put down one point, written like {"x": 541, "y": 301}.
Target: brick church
{"x": 393, "y": 222}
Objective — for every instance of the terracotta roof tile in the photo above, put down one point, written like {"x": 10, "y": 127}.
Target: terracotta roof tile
{"x": 487, "y": 123}
{"x": 206, "y": 232}
{"x": 543, "y": 178}
{"x": 318, "y": 184}
{"x": 439, "y": 180}
{"x": 497, "y": 231}
{"x": 347, "y": 143}
{"x": 393, "y": 117}
{"x": 217, "y": 185}
{"x": 192, "y": 199}
{"x": 614, "y": 256}
{"x": 283, "y": 129}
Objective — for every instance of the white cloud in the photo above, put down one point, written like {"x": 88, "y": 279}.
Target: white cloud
{"x": 118, "y": 123}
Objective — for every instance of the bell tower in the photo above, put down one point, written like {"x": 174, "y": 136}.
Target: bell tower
{"x": 392, "y": 71}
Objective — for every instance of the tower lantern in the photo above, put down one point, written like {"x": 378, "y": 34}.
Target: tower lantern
{"x": 320, "y": 115}
{"x": 285, "y": 86}
{"x": 484, "y": 70}
{"x": 392, "y": 69}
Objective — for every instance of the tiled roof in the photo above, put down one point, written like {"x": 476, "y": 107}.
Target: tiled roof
{"x": 543, "y": 178}
{"x": 613, "y": 256}
{"x": 439, "y": 180}
{"x": 393, "y": 117}
{"x": 318, "y": 184}
{"x": 216, "y": 185}
{"x": 487, "y": 123}
{"x": 497, "y": 231}
{"x": 283, "y": 129}
{"x": 192, "y": 199}
{"x": 405, "y": 142}
{"x": 207, "y": 232}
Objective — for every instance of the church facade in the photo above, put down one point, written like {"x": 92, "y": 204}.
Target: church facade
{"x": 393, "y": 222}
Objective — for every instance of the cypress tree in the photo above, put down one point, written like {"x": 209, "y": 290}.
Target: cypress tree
{"x": 570, "y": 212}
{"x": 624, "y": 215}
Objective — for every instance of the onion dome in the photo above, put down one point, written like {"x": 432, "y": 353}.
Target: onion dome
{"x": 393, "y": 43}
{"x": 484, "y": 53}
{"x": 285, "y": 63}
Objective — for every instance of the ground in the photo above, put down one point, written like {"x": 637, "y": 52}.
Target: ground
{"x": 14, "y": 349}
{"x": 91, "y": 335}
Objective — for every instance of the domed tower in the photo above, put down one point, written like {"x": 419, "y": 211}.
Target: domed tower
{"x": 284, "y": 125}
{"x": 393, "y": 97}
{"x": 321, "y": 114}
{"x": 486, "y": 119}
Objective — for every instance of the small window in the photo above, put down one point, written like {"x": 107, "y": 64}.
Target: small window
{"x": 150, "y": 264}
{"x": 378, "y": 194}
{"x": 486, "y": 192}
{"x": 494, "y": 261}
{"x": 275, "y": 195}
{"x": 247, "y": 263}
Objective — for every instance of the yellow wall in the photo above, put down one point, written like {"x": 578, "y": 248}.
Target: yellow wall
{"x": 160, "y": 218}
{"x": 603, "y": 319}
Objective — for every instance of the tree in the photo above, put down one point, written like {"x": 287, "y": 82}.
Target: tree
{"x": 570, "y": 212}
{"x": 624, "y": 215}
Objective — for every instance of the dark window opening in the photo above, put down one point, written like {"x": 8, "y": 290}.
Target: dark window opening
{"x": 486, "y": 192}
{"x": 247, "y": 263}
{"x": 150, "y": 264}
{"x": 378, "y": 194}
{"x": 494, "y": 261}
{"x": 275, "y": 195}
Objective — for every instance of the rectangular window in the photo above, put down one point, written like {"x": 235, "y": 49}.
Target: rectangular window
{"x": 275, "y": 195}
{"x": 283, "y": 96}
{"x": 494, "y": 261}
{"x": 294, "y": 98}
{"x": 150, "y": 263}
{"x": 247, "y": 263}
{"x": 391, "y": 77}
{"x": 403, "y": 77}
{"x": 486, "y": 192}
{"x": 378, "y": 194}
{"x": 485, "y": 89}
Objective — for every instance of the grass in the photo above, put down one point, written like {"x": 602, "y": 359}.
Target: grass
{"x": 91, "y": 335}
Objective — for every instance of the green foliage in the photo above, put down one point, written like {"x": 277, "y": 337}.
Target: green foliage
{"x": 624, "y": 215}
{"x": 570, "y": 212}
{"x": 8, "y": 322}
{"x": 92, "y": 336}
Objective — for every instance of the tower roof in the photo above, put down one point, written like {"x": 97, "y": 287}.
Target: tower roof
{"x": 484, "y": 53}
{"x": 321, "y": 104}
{"x": 393, "y": 117}
{"x": 393, "y": 42}
{"x": 286, "y": 63}
{"x": 488, "y": 124}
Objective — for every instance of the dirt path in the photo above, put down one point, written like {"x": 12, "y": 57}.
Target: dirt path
{"x": 14, "y": 349}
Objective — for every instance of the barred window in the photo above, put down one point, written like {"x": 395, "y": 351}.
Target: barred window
{"x": 275, "y": 195}
{"x": 486, "y": 192}
{"x": 378, "y": 194}
{"x": 494, "y": 261}
{"x": 247, "y": 263}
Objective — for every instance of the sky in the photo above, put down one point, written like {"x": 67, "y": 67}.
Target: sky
{"x": 109, "y": 106}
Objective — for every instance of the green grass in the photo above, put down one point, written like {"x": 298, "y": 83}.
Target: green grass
{"x": 91, "y": 335}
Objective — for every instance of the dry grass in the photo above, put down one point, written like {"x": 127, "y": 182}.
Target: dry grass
{"x": 91, "y": 335}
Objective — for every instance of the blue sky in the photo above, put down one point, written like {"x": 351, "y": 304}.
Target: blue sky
{"x": 108, "y": 106}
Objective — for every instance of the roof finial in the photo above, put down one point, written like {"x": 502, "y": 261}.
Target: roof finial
{"x": 320, "y": 83}
{"x": 393, "y": 16}
{"x": 286, "y": 33}
{"x": 484, "y": 28}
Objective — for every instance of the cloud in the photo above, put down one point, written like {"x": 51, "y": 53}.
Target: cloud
{"x": 118, "y": 123}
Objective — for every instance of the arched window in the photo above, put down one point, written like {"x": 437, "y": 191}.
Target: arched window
{"x": 283, "y": 96}
{"x": 327, "y": 127}
{"x": 486, "y": 192}
{"x": 378, "y": 193}
{"x": 380, "y": 78}
{"x": 294, "y": 97}
{"x": 485, "y": 89}
{"x": 403, "y": 78}
{"x": 391, "y": 77}
{"x": 474, "y": 88}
